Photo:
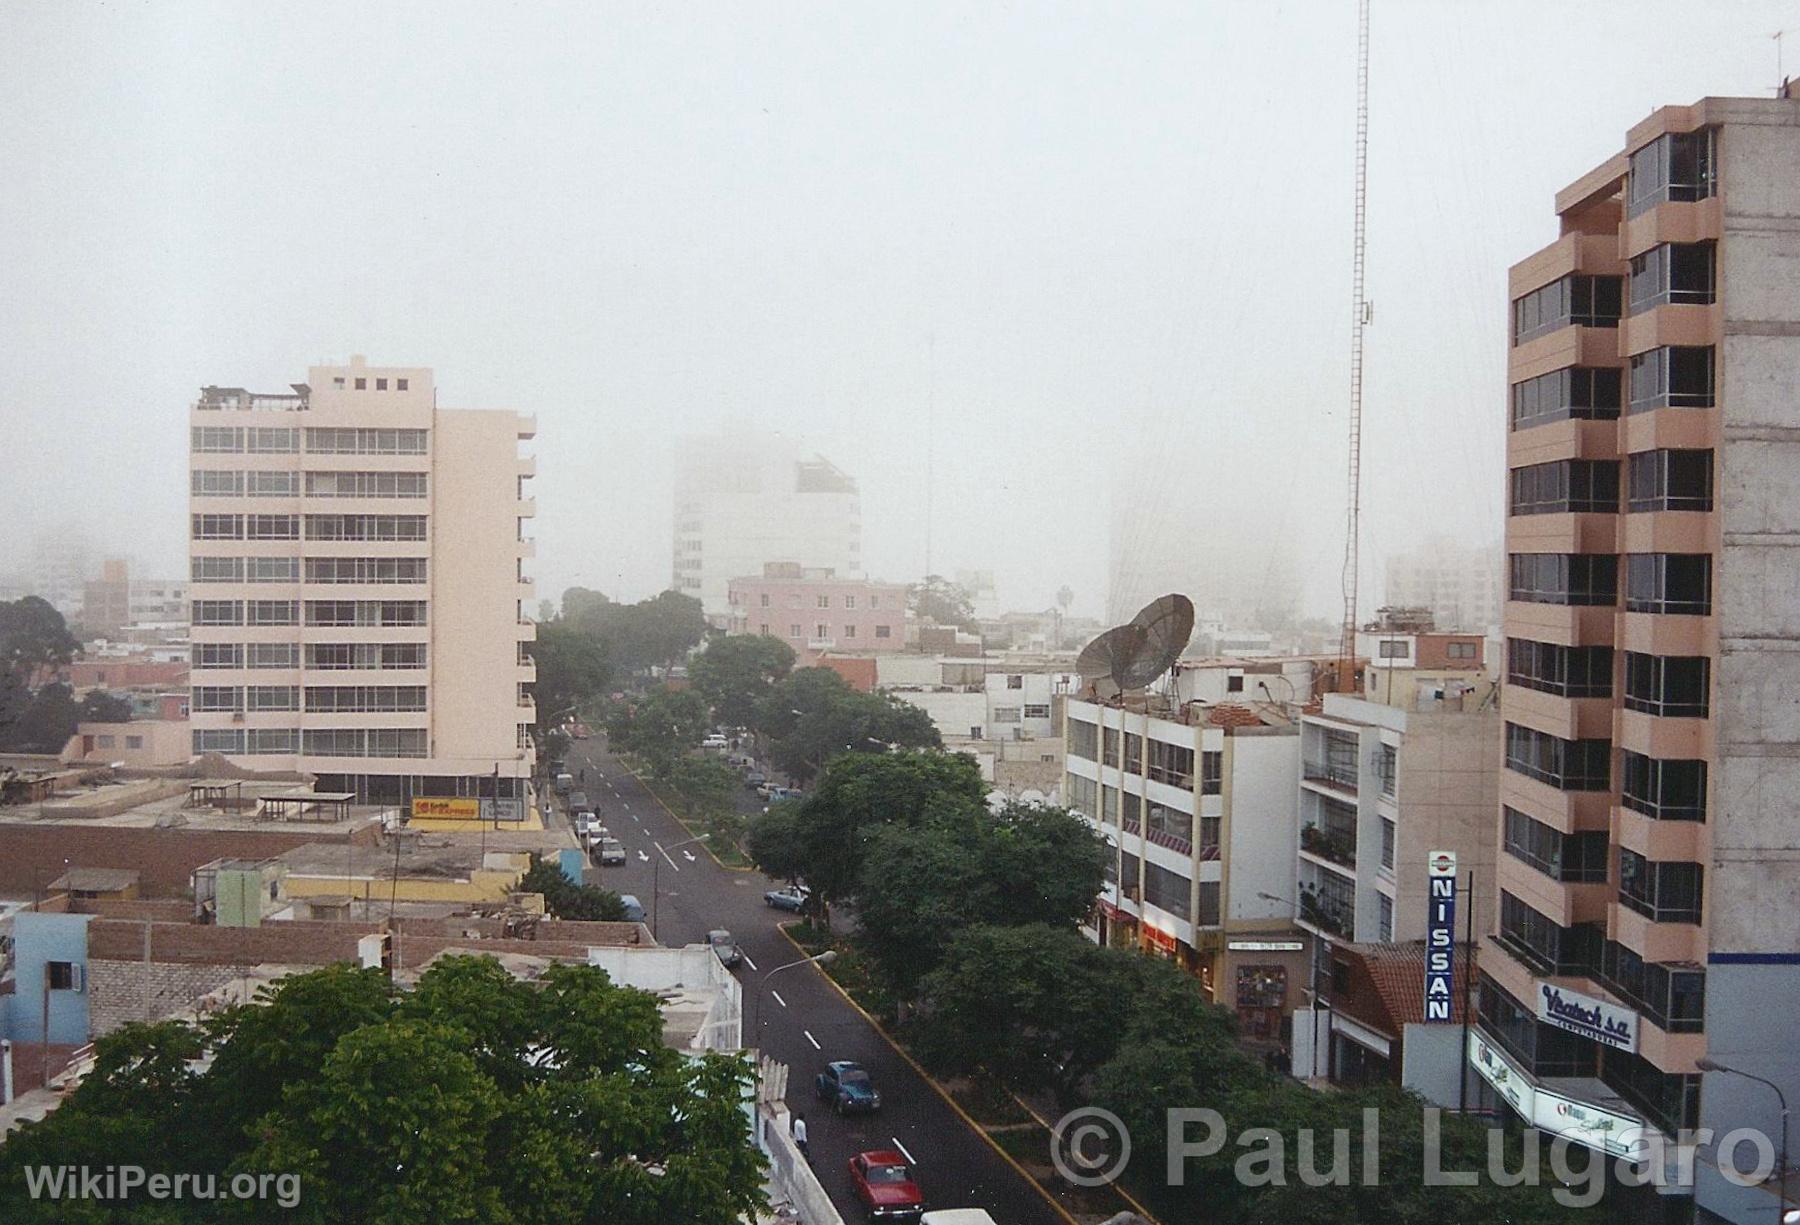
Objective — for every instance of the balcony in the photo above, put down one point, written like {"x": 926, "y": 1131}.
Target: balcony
{"x": 1327, "y": 915}
{"x": 1334, "y": 774}
{"x": 1336, "y": 845}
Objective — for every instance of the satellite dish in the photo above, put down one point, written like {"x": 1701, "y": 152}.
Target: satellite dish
{"x": 1132, "y": 655}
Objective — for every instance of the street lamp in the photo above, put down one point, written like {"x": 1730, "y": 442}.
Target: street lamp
{"x": 656, "y": 873}
{"x": 825, "y": 958}
{"x": 1713, "y": 1065}
{"x": 1312, "y": 985}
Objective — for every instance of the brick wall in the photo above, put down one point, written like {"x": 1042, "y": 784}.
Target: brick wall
{"x": 117, "y": 989}
{"x": 301, "y": 942}
{"x": 32, "y": 855}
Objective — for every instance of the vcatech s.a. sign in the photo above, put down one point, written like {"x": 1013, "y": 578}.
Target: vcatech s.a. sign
{"x": 1587, "y": 1016}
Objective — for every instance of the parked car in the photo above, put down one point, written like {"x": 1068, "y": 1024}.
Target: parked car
{"x": 715, "y": 741}
{"x": 846, "y": 1088}
{"x": 725, "y": 947}
{"x": 788, "y": 897}
{"x": 784, "y": 793}
{"x": 611, "y": 853}
{"x": 883, "y": 1183}
{"x": 634, "y": 909}
{"x": 756, "y": 778}
{"x": 564, "y": 783}
{"x": 558, "y": 767}
{"x": 579, "y": 802}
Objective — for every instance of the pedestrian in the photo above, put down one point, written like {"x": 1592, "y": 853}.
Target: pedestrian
{"x": 799, "y": 1130}
{"x": 583, "y": 773}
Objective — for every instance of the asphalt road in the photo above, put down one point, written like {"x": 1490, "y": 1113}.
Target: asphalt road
{"x": 803, "y": 1021}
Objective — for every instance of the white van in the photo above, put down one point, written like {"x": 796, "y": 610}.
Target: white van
{"x": 958, "y": 1216}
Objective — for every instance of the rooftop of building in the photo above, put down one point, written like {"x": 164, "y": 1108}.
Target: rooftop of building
{"x": 1386, "y": 989}
{"x": 1234, "y": 717}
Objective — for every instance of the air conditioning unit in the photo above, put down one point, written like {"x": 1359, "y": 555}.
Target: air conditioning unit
{"x": 77, "y": 978}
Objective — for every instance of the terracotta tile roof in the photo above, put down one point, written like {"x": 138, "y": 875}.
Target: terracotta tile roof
{"x": 1387, "y": 985}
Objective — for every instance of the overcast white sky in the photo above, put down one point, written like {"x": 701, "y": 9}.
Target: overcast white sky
{"x": 1100, "y": 238}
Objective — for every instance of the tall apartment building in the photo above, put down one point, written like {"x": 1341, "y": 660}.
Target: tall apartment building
{"x": 358, "y": 584}
{"x": 1459, "y": 584}
{"x": 747, "y": 498}
{"x": 115, "y": 600}
{"x": 1649, "y": 910}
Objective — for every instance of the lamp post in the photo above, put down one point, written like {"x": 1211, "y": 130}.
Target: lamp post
{"x": 1713, "y": 1065}
{"x": 656, "y": 874}
{"x": 825, "y": 958}
{"x": 1313, "y": 983}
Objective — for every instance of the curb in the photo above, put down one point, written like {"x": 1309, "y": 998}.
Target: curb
{"x": 705, "y": 842}
{"x": 932, "y": 1081}
{"x": 1118, "y": 1190}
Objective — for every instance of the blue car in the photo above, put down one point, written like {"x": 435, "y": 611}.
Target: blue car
{"x": 847, "y": 1088}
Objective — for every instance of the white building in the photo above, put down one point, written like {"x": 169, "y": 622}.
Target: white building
{"x": 358, "y": 585}
{"x": 1460, "y": 585}
{"x": 744, "y": 499}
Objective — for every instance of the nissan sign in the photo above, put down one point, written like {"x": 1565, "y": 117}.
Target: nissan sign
{"x": 1440, "y": 935}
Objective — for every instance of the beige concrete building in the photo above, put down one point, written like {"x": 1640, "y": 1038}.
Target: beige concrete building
{"x": 1649, "y": 909}
{"x": 359, "y": 591}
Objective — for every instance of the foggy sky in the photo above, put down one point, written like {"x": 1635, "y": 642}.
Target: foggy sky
{"x": 1071, "y": 244}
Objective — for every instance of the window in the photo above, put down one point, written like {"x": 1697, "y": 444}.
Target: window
{"x": 824, "y": 631}
{"x": 849, "y": 601}
{"x": 1037, "y": 710}
{"x": 134, "y": 742}
{"x": 216, "y": 440}
{"x": 1673, "y": 997}
{"x": 365, "y": 484}
{"x": 793, "y": 631}
{"x": 1569, "y": 672}
{"x": 1566, "y": 486}
{"x": 1670, "y": 686}
{"x": 1570, "y": 858}
{"x": 1212, "y": 773}
{"x": 365, "y": 527}
{"x": 272, "y": 697}
{"x": 1006, "y": 714}
{"x": 1674, "y": 376}
{"x": 1674, "y": 166}
{"x": 1545, "y": 946}
{"x": 1568, "y": 765}
{"x": 884, "y": 631}
{"x": 1015, "y": 681}
{"x": 849, "y": 631}
{"x": 218, "y": 655}
{"x": 824, "y": 601}
{"x": 218, "y": 527}
{"x": 271, "y": 527}
{"x": 267, "y": 483}
{"x": 211, "y": 699}
{"x": 1584, "y": 393}
{"x": 62, "y": 976}
{"x": 1674, "y": 583}
{"x": 380, "y": 384}
{"x": 366, "y": 656}
{"x": 1462, "y": 650}
{"x": 217, "y": 570}
{"x": 271, "y": 440}
{"x": 365, "y": 612}
{"x": 765, "y": 629}
{"x": 259, "y": 740}
{"x": 338, "y": 381}
{"x": 1109, "y": 746}
{"x": 362, "y": 384}
{"x": 361, "y": 699}
{"x": 271, "y": 655}
{"x": 1384, "y": 918}
{"x": 1084, "y": 740}
{"x": 1234, "y": 683}
{"x": 384, "y": 570}
{"x": 215, "y": 483}
{"x": 1394, "y": 648}
{"x": 400, "y": 384}
{"x": 1171, "y": 763}
{"x": 1670, "y": 480}
{"x": 1334, "y": 760}
{"x": 1661, "y": 892}
{"x": 272, "y": 612}
{"x": 1578, "y": 299}
{"x": 763, "y": 600}
{"x": 1675, "y": 272}
{"x": 1564, "y": 578}
{"x": 217, "y": 612}
{"x": 1668, "y": 790}
{"x": 1166, "y": 890}
{"x": 1544, "y": 1049}
{"x": 345, "y": 441}
{"x": 365, "y": 742}
{"x": 271, "y": 569}
{"x": 1387, "y": 767}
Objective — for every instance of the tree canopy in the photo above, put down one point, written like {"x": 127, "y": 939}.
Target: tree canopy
{"x": 476, "y": 1098}
{"x": 660, "y": 727}
{"x": 942, "y": 601}
{"x": 565, "y": 899}
{"x": 812, "y": 715}
{"x": 652, "y": 633}
{"x": 736, "y": 674}
{"x": 37, "y": 713}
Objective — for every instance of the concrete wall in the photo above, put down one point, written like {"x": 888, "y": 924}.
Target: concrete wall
{"x": 1262, "y": 835}
{"x": 40, "y": 939}
{"x": 142, "y": 743}
{"x": 1448, "y": 791}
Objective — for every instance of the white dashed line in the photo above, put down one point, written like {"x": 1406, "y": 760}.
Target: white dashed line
{"x": 778, "y": 998}
{"x": 903, "y": 1152}
{"x": 748, "y": 962}
{"x": 672, "y": 864}
{"x": 812, "y": 1039}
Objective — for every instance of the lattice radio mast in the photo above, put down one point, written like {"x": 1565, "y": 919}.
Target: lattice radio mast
{"x": 1358, "y": 319}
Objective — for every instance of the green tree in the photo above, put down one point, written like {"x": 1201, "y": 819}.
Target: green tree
{"x": 644, "y": 636}
{"x": 42, "y": 721}
{"x": 572, "y": 670}
{"x": 813, "y": 715}
{"x": 736, "y": 674}
{"x": 704, "y": 785}
{"x": 99, "y": 706}
{"x": 659, "y": 727}
{"x": 35, "y": 643}
{"x": 774, "y": 842}
{"x": 564, "y": 899}
{"x": 939, "y": 600}
{"x": 920, "y": 884}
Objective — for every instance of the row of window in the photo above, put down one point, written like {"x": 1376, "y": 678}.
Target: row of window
{"x": 1571, "y": 858}
{"x": 237, "y": 483}
{"x": 1578, "y": 299}
{"x": 318, "y": 569}
{"x": 366, "y": 484}
{"x": 362, "y": 384}
{"x": 318, "y": 527}
{"x": 335, "y": 699}
{"x": 1568, "y": 765}
{"x": 822, "y": 630}
{"x": 1658, "y": 480}
{"x": 1545, "y": 945}
{"x": 1550, "y": 667}
{"x": 314, "y": 742}
{"x": 317, "y": 612}
{"x": 320, "y": 656}
{"x": 1674, "y": 376}
{"x": 849, "y": 601}
{"x": 282, "y": 440}
{"x": 1675, "y": 583}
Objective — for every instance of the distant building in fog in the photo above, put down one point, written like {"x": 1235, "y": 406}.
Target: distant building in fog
{"x": 1165, "y": 539}
{"x": 746, "y": 498}
{"x": 813, "y": 610}
{"x": 1458, "y": 583}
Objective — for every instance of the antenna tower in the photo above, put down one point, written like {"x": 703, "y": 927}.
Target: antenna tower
{"x": 1358, "y": 318}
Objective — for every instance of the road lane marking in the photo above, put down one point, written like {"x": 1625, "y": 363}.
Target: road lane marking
{"x": 688, "y": 855}
{"x": 672, "y": 864}
{"x": 812, "y": 1039}
{"x": 643, "y": 857}
{"x": 909, "y": 1157}
{"x": 778, "y": 999}
{"x": 749, "y": 963}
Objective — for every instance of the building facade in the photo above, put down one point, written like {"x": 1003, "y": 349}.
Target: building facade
{"x": 747, "y": 498}
{"x": 1458, "y": 584}
{"x": 1649, "y": 907}
{"x": 358, "y": 581}
{"x": 115, "y": 601}
{"x": 814, "y": 610}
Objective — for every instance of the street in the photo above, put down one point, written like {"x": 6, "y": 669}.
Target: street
{"x": 803, "y": 1021}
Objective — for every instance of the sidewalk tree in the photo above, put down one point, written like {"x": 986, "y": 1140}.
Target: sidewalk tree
{"x": 564, "y": 899}
{"x": 660, "y": 727}
{"x": 940, "y": 600}
{"x": 736, "y": 674}
{"x": 813, "y": 715}
{"x": 572, "y": 669}
{"x": 639, "y": 637}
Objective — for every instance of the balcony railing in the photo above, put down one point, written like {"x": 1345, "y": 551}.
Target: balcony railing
{"x": 1326, "y": 772}
{"x": 1327, "y": 915}
{"x": 1337, "y": 845}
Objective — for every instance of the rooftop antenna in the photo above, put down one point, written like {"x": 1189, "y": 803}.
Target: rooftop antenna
{"x": 1780, "y": 74}
{"x": 930, "y": 436}
{"x": 1132, "y": 655}
{"x": 1359, "y": 317}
